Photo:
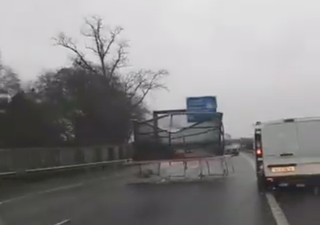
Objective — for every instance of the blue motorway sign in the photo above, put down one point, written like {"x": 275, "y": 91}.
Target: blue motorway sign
{"x": 201, "y": 109}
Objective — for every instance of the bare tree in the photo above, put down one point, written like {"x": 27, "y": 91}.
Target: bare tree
{"x": 111, "y": 54}
{"x": 105, "y": 44}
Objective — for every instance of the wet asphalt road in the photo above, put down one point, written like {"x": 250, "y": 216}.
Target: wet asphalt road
{"x": 224, "y": 201}
{"x": 301, "y": 206}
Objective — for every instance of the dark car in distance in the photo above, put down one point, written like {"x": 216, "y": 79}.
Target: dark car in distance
{"x": 232, "y": 149}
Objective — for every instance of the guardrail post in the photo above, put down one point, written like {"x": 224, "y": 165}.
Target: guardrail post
{"x": 98, "y": 154}
{"x": 111, "y": 153}
{"x": 121, "y": 152}
{"x": 115, "y": 152}
{"x": 5, "y": 160}
{"x": 18, "y": 160}
{"x": 79, "y": 157}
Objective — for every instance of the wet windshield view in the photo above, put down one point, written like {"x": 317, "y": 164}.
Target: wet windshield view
{"x": 152, "y": 112}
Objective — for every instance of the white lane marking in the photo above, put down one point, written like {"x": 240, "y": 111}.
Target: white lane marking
{"x": 15, "y": 199}
{"x": 276, "y": 210}
{"x": 63, "y": 222}
{"x": 61, "y": 188}
{"x": 41, "y": 192}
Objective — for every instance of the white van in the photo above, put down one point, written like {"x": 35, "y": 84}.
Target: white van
{"x": 287, "y": 152}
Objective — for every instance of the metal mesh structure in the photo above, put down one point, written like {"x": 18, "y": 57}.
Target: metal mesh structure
{"x": 169, "y": 149}
{"x": 168, "y": 131}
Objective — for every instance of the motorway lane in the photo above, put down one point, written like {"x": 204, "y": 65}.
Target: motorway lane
{"x": 299, "y": 205}
{"x": 224, "y": 201}
{"x": 11, "y": 188}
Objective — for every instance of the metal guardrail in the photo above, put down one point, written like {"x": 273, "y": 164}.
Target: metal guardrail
{"x": 68, "y": 167}
{"x": 25, "y": 161}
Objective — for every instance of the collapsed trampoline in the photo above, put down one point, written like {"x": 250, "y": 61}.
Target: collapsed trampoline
{"x": 180, "y": 153}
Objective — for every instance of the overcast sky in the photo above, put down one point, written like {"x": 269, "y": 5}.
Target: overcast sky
{"x": 261, "y": 58}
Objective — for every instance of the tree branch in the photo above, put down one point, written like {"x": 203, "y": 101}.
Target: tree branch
{"x": 102, "y": 45}
{"x": 139, "y": 84}
{"x": 67, "y": 42}
{"x": 120, "y": 60}
{"x": 94, "y": 32}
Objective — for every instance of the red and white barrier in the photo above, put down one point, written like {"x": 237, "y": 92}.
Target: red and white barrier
{"x": 186, "y": 168}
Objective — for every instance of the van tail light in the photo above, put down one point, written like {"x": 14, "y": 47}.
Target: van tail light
{"x": 259, "y": 152}
{"x": 259, "y": 160}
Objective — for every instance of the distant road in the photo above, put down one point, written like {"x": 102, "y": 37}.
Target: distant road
{"x": 102, "y": 199}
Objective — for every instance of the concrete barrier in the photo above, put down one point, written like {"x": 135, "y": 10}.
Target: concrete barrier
{"x": 26, "y": 160}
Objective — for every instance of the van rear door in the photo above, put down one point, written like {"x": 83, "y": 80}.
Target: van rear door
{"x": 309, "y": 141}
{"x": 279, "y": 144}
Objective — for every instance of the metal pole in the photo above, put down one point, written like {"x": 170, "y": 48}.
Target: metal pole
{"x": 170, "y": 127}
{"x": 222, "y": 141}
{"x": 155, "y": 126}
